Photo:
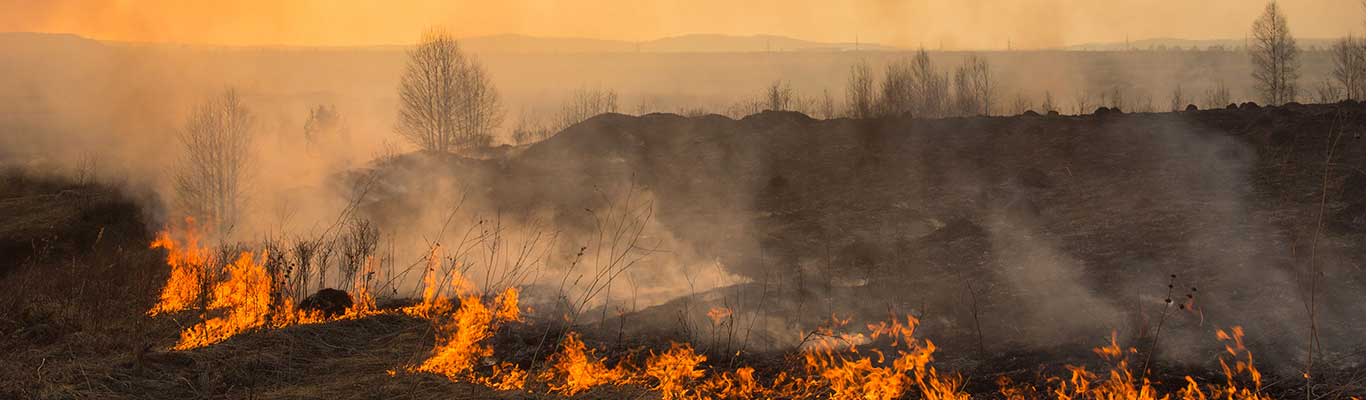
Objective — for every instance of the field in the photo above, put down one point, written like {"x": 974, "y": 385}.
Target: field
{"x": 1017, "y": 245}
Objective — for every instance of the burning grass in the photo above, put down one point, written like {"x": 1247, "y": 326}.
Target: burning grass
{"x": 885, "y": 360}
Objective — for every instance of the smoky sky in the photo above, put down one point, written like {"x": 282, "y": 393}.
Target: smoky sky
{"x": 988, "y": 24}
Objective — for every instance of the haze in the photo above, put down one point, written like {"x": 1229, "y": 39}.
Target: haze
{"x": 962, "y": 25}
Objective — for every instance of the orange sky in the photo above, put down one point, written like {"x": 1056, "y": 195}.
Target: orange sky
{"x": 979, "y": 24}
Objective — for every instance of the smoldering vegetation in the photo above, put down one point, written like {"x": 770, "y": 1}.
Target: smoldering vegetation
{"x": 1018, "y": 241}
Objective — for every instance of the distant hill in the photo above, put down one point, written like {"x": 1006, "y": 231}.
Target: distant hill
{"x": 698, "y": 43}
{"x": 1187, "y": 44}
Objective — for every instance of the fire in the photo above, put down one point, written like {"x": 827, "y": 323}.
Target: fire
{"x": 674, "y": 369}
{"x": 189, "y": 268}
{"x": 574, "y": 369}
{"x": 718, "y": 314}
{"x": 461, "y": 334}
{"x": 886, "y": 361}
{"x": 241, "y": 302}
{"x": 1121, "y": 383}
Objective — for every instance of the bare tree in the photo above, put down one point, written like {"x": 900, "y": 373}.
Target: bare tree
{"x": 1020, "y": 104}
{"x": 974, "y": 87}
{"x": 1347, "y": 54}
{"x": 860, "y": 91}
{"x": 530, "y": 129}
{"x": 897, "y": 94}
{"x": 583, "y": 104}
{"x": 928, "y": 86}
{"x": 1048, "y": 104}
{"x": 210, "y": 180}
{"x": 779, "y": 96}
{"x": 323, "y": 128}
{"x": 826, "y": 107}
{"x": 1176, "y": 101}
{"x": 446, "y": 101}
{"x": 1218, "y": 96}
{"x": 1274, "y": 55}
{"x": 1328, "y": 92}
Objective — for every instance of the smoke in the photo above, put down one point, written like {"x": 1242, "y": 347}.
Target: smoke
{"x": 1056, "y": 230}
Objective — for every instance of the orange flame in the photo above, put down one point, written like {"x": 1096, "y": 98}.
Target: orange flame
{"x": 574, "y": 369}
{"x": 189, "y": 263}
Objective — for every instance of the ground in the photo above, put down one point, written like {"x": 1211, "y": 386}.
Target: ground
{"x": 904, "y": 212}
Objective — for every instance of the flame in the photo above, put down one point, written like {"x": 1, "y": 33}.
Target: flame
{"x": 242, "y": 301}
{"x": 674, "y": 369}
{"x": 461, "y": 334}
{"x": 718, "y": 314}
{"x": 574, "y": 369}
{"x": 189, "y": 263}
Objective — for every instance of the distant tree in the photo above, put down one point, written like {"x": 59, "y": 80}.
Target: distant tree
{"x": 1020, "y": 104}
{"x": 779, "y": 96}
{"x": 1048, "y": 104}
{"x": 860, "y": 91}
{"x": 1328, "y": 92}
{"x": 446, "y": 101}
{"x": 1176, "y": 101}
{"x": 1217, "y": 96}
{"x": 1347, "y": 55}
{"x": 585, "y": 103}
{"x": 975, "y": 90}
{"x": 897, "y": 94}
{"x": 210, "y": 179}
{"x": 323, "y": 128}
{"x": 530, "y": 129}
{"x": 1274, "y": 54}
{"x": 1082, "y": 103}
{"x": 826, "y": 108}
{"x": 929, "y": 87}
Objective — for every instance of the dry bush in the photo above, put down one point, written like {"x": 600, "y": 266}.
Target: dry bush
{"x": 583, "y": 104}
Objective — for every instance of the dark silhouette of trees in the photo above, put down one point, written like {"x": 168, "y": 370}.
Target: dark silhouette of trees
{"x": 1347, "y": 55}
{"x": 975, "y": 90}
{"x": 1274, "y": 54}
{"x": 860, "y": 91}
{"x": 210, "y": 180}
{"x": 446, "y": 101}
{"x": 779, "y": 96}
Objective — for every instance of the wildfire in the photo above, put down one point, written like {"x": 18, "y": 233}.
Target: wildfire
{"x": 575, "y": 369}
{"x": 189, "y": 263}
{"x": 240, "y": 302}
{"x": 885, "y": 361}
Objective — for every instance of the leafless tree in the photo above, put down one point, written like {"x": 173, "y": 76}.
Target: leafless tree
{"x": 323, "y": 127}
{"x": 1048, "y": 104}
{"x": 826, "y": 108}
{"x": 974, "y": 87}
{"x": 930, "y": 88}
{"x": 583, "y": 104}
{"x": 1328, "y": 92}
{"x": 446, "y": 100}
{"x": 860, "y": 91}
{"x": 210, "y": 180}
{"x": 1274, "y": 54}
{"x": 1020, "y": 104}
{"x": 779, "y": 96}
{"x": 897, "y": 94}
{"x": 1347, "y": 54}
{"x": 530, "y": 129}
{"x": 1218, "y": 96}
{"x": 1176, "y": 101}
